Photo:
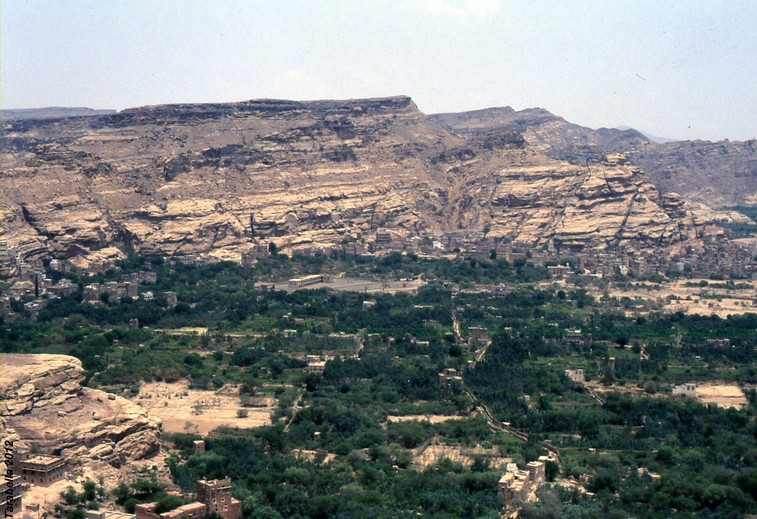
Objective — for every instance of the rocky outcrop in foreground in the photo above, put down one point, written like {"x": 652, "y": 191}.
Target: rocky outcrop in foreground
{"x": 44, "y": 404}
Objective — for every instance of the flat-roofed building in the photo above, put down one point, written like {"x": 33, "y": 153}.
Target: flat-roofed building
{"x": 477, "y": 336}
{"x": 193, "y": 510}
{"x": 42, "y": 470}
{"x": 309, "y": 280}
{"x": 108, "y": 514}
{"x": 537, "y": 472}
{"x": 576, "y": 375}
{"x": 574, "y": 336}
{"x": 383, "y": 238}
{"x": 558, "y": 271}
{"x": 172, "y": 299}
{"x": 517, "y": 485}
{"x": 10, "y": 498}
{"x": 316, "y": 364}
{"x": 448, "y": 375}
{"x": 687, "y": 389}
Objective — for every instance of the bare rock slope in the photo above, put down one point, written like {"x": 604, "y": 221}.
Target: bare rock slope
{"x": 719, "y": 174}
{"x": 213, "y": 178}
{"x": 44, "y": 404}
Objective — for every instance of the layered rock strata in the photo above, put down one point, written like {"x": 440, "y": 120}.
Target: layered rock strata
{"x": 719, "y": 174}
{"x": 214, "y": 179}
{"x": 45, "y": 405}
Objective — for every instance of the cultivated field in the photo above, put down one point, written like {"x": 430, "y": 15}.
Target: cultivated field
{"x": 190, "y": 410}
{"x": 688, "y": 297}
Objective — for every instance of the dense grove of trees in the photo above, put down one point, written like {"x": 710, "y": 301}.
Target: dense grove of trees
{"x": 368, "y": 484}
{"x": 706, "y": 455}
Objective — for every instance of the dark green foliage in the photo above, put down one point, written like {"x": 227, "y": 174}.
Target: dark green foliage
{"x": 168, "y": 503}
{"x": 706, "y": 456}
{"x": 350, "y": 487}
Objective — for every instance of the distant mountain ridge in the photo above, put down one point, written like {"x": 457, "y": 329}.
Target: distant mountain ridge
{"x": 719, "y": 174}
{"x": 52, "y": 112}
{"x": 546, "y": 132}
{"x": 653, "y": 138}
{"x": 219, "y": 179}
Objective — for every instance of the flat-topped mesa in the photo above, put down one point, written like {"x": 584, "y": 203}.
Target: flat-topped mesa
{"x": 216, "y": 180}
{"x": 267, "y": 108}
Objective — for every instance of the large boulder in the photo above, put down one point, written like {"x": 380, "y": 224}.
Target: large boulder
{"x": 45, "y": 404}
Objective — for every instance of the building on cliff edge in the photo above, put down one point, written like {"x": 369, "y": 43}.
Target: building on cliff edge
{"x": 213, "y": 496}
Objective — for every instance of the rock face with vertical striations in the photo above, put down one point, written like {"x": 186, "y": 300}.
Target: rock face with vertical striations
{"x": 44, "y": 404}
{"x": 212, "y": 178}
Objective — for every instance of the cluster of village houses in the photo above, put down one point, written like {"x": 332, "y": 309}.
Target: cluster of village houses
{"x": 719, "y": 257}
{"x": 212, "y": 496}
{"x": 215, "y": 496}
{"x": 31, "y": 285}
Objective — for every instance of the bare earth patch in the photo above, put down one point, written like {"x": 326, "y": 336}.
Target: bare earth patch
{"x": 426, "y": 456}
{"x": 190, "y": 410}
{"x": 724, "y": 395}
{"x": 430, "y": 418}
{"x": 694, "y": 299}
{"x": 46, "y": 497}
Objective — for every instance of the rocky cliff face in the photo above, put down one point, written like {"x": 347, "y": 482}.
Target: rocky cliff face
{"x": 212, "y": 179}
{"x": 547, "y": 133}
{"x": 719, "y": 174}
{"x": 44, "y": 404}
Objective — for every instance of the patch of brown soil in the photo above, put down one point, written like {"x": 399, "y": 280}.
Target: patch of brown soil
{"x": 724, "y": 395}
{"x": 430, "y": 418}
{"x": 426, "y": 456}
{"x": 190, "y": 410}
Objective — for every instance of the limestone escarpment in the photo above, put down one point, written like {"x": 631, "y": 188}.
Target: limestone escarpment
{"x": 546, "y": 133}
{"x": 211, "y": 179}
{"x": 719, "y": 174}
{"x": 44, "y": 404}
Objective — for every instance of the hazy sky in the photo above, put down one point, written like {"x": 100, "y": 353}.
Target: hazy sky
{"x": 679, "y": 69}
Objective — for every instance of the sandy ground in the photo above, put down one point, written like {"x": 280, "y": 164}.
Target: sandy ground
{"x": 430, "y": 418}
{"x": 47, "y": 497}
{"x": 190, "y": 410}
{"x": 724, "y": 395}
{"x": 313, "y": 456}
{"x": 429, "y": 455}
{"x": 187, "y": 330}
{"x": 731, "y": 301}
